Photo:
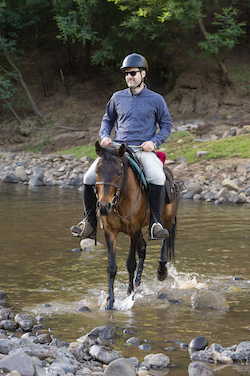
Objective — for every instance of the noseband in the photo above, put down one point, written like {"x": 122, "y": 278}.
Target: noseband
{"x": 118, "y": 187}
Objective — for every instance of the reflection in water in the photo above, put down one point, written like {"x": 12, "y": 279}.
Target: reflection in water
{"x": 38, "y": 267}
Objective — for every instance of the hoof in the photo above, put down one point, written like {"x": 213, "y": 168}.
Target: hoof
{"x": 162, "y": 271}
{"x": 110, "y": 305}
{"x": 137, "y": 282}
{"x": 162, "y": 277}
{"x": 130, "y": 290}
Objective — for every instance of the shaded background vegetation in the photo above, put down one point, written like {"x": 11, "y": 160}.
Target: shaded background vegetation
{"x": 84, "y": 37}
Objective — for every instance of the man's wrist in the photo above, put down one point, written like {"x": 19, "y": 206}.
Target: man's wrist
{"x": 155, "y": 146}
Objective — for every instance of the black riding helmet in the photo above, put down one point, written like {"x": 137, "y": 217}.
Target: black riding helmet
{"x": 135, "y": 61}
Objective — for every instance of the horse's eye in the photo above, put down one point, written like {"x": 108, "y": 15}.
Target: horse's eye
{"x": 119, "y": 173}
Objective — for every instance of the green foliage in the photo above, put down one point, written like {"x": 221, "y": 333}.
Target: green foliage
{"x": 230, "y": 147}
{"x": 40, "y": 146}
{"x": 227, "y": 34}
{"x": 88, "y": 150}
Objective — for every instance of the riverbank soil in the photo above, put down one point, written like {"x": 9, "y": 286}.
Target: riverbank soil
{"x": 73, "y": 106}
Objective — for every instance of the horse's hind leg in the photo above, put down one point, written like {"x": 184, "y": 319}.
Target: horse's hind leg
{"x": 141, "y": 250}
{"x": 162, "y": 271}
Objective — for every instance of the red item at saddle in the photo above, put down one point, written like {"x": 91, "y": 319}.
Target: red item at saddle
{"x": 162, "y": 156}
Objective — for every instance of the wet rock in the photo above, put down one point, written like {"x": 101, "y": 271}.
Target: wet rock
{"x": 106, "y": 332}
{"x": 103, "y": 354}
{"x": 157, "y": 360}
{"x": 198, "y": 343}
{"x": 10, "y": 178}
{"x": 89, "y": 245}
{"x": 83, "y": 309}
{"x": 238, "y": 199}
{"x": 199, "y": 369}
{"x": 120, "y": 367}
{"x": 25, "y": 322}
{"x": 205, "y": 299}
{"x": 133, "y": 341}
{"x": 189, "y": 195}
{"x": 37, "y": 179}
{"x": 145, "y": 347}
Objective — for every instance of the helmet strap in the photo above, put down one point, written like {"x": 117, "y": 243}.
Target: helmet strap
{"x": 142, "y": 79}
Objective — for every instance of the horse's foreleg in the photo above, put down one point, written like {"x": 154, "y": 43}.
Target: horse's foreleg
{"x": 131, "y": 262}
{"x": 162, "y": 270}
{"x": 111, "y": 268}
{"x": 141, "y": 250}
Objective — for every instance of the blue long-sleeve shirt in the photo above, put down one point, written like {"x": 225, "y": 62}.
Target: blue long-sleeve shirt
{"x": 136, "y": 116}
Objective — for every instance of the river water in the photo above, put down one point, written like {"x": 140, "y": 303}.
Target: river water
{"x": 41, "y": 275}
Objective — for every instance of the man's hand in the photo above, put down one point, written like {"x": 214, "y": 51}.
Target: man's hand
{"x": 147, "y": 146}
{"x": 106, "y": 142}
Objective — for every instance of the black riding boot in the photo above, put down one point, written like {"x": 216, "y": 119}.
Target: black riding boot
{"x": 87, "y": 227}
{"x": 156, "y": 202}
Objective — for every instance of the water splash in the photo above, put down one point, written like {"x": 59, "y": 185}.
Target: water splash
{"x": 185, "y": 281}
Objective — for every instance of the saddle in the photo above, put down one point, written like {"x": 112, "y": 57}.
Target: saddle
{"x": 170, "y": 191}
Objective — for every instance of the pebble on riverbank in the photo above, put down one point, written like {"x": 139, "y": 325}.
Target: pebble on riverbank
{"x": 28, "y": 350}
{"x": 224, "y": 184}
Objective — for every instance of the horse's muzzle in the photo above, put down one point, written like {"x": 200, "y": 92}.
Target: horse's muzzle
{"x": 104, "y": 208}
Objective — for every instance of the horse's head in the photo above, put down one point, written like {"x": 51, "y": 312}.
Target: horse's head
{"x": 109, "y": 177}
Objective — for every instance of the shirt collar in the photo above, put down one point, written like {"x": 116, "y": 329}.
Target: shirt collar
{"x": 142, "y": 91}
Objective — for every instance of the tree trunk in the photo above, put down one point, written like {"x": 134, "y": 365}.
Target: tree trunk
{"x": 32, "y": 103}
{"x": 219, "y": 62}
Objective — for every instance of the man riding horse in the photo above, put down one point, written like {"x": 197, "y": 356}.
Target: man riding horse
{"x": 135, "y": 113}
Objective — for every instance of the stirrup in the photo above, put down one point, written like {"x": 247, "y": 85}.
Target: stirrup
{"x": 162, "y": 233}
{"x": 76, "y": 230}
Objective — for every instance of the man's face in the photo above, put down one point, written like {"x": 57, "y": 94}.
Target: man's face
{"x": 134, "y": 81}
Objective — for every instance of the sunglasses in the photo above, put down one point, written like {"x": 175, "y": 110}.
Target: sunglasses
{"x": 132, "y": 73}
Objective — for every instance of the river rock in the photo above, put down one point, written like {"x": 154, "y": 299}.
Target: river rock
{"x": 25, "y": 322}
{"x": 10, "y": 178}
{"x": 37, "y": 179}
{"x": 199, "y": 369}
{"x": 122, "y": 367}
{"x": 194, "y": 187}
{"x": 157, "y": 360}
{"x": 103, "y": 354}
{"x": 205, "y": 299}
{"x": 238, "y": 199}
{"x": 106, "y": 332}
{"x": 230, "y": 184}
{"x": 20, "y": 362}
{"x": 145, "y": 347}
{"x": 21, "y": 173}
{"x": 133, "y": 341}
{"x": 4, "y": 313}
{"x": 6, "y": 346}
{"x": 198, "y": 343}
{"x": 9, "y": 325}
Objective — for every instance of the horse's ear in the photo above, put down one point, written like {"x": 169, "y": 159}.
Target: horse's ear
{"x": 121, "y": 150}
{"x": 98, "y": 148}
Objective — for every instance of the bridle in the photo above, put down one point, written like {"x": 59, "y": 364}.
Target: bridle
{"x": 116, "y": 198}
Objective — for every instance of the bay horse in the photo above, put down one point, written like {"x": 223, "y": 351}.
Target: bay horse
{"x": 122, "y": 206}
